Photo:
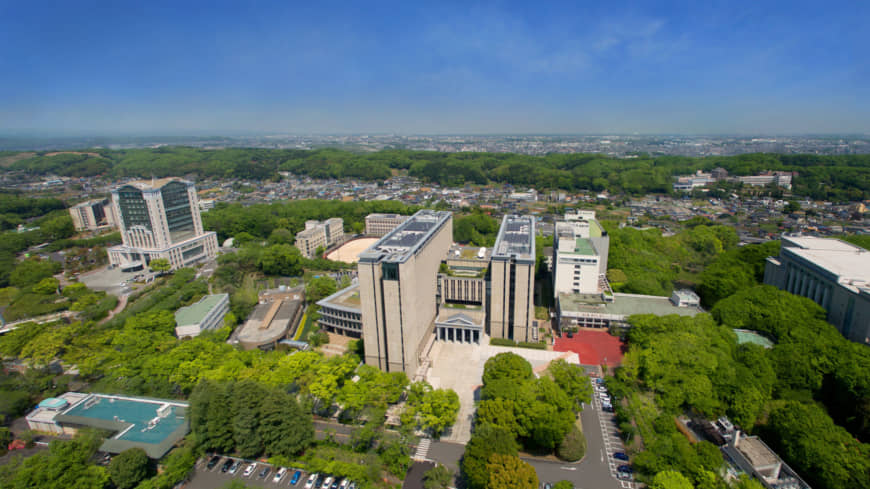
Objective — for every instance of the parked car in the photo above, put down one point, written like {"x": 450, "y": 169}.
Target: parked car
{"x": 249, "y": 470}
{"x": 235, "y": 467}
{"x": 327, "y": 483}
{"x": 226, "y": 466}
{"x": 620, "y": 456}
{"x": 212, "y": 462}
{"x": 279, "y": 475}
{"x": 309, "y": 484}
{"x": 295, "y": 479}
{"x": 335, "y": 484}
{"x": 625, "y": 468}
{"x": 265, "y": 472}
{"x": 344, "y": 484}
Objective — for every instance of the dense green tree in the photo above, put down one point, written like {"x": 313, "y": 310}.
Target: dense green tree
{"x": 500, "y": 412}
{"x": 506, "y": 365}
{"x": 47, "y": 286}
{"x": 128, "y": 468}
{"x": 476, "y": 229}
{"x": 319, "y": 287}
{"x": 362, "y": 439}
{"x": 438, "y": 477}
{"x": 573, "y": 446}
{"x": 824, "y": 453}
{"x": 281, "y": 236}
{"x": 160, "y": 265}
{"x": 283, "y": 428}
{"x": 56, "y": 228}
{"x": 670, "y": 479}
{"x": 248, "y": 396}
{"x": 66, "y": 464}
{"x": 281, "y": 259}
{"x": 437, "y": 410}
{"x": 31, "y": 271}
{"x": 572, "y": 380}
{"x": 509, "y": 472}
{"x": 485, "y": 441}
{"x": 395, "y": 454}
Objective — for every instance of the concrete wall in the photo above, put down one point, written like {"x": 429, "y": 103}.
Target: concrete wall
{"x": 524, "y": 306}
{"x": 461, "y": 289}
{"x": 398, "y": 315}
{"x": 498, "y": 314}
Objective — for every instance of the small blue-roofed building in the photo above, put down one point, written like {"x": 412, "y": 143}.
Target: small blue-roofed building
{"x": 154, "y": 425}
{"x": 206, "y": 314}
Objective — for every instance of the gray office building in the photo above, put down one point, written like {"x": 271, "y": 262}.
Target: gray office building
{"x": 512, "y": 276}
{"x": 833, "y": 273}
{"x": 398, "y": 288}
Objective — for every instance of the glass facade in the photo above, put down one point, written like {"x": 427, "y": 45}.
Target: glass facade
{"x": 134, "y": 211}
{"x": 179, "y": 215}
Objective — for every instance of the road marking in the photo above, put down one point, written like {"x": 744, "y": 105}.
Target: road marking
{"x": 569, "y": 468}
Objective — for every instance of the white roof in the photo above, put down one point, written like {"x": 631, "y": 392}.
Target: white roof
{"x": 849, "y": 262}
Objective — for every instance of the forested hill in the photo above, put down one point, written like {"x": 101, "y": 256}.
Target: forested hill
{"x": 836, "y": 178}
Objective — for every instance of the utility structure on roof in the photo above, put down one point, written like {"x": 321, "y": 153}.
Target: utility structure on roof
{"x": 512, "y": 278}
{"x": 398, "y": 283}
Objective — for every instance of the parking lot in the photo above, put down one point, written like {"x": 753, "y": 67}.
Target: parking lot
{"x": 213, "y": 476}
{"x": 611, "y": 438}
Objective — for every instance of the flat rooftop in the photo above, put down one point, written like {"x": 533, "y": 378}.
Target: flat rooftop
{"x": 756, "y": 452}
{"x": 622, "y": 305}
{"x": 516, "y": 239}
{"x": 467, "y": 316}
{"x": 845, "y": 260}
{"x": 458, "y": 251}
{"x": 88, "y": 203}
{"x": 407, "y": 238}
{"x": 583, "y": 246}
{"x": 155, "y": 183}
{"x": 378, "y": 215}
{"x": 269, "y": 322}
{"x": 347, "y": 298}
{"x": 142, "y": 421}
{"x": 196, "y": 312}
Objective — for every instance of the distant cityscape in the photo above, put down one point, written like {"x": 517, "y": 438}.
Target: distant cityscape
{"x": 612, "y": 145}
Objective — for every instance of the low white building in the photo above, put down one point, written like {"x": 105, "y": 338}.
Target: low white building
{"x": 206, "y": 314}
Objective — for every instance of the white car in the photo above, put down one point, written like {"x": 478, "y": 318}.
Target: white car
{"x": 279, "y": 475}
{"x": 344, "y": 484}
{"x": 249, "y": 470}
{"x": 309, "y": 484}
{"x": 328, "y": 482}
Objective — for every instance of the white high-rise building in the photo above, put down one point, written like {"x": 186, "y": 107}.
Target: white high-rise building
{"x": 580, "y": 251}
{"x": 160, "y": 219}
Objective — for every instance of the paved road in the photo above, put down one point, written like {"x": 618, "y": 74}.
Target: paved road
{"x": 340, "y": 432}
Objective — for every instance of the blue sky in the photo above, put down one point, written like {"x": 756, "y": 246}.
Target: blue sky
{"x": 691, "y": 67}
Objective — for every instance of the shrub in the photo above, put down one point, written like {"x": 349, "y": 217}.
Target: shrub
{"x": 573, "y": 447}
{"x": 534, "y": 346}
{"x": 502, "y": 342}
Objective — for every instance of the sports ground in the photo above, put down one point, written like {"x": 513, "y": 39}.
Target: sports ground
{"x": 594, "y": 347}
{"x": 349, "y": 252}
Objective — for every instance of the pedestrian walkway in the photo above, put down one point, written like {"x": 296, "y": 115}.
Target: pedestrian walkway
{"x": 422, "y": 450}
